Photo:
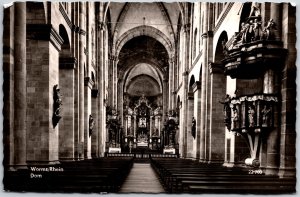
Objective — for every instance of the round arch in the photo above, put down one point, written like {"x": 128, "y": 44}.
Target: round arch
{"x": 145, "y": 31}
{"x": 219, "y": 54}
{"x": 192, "y": 81}
{"x": 125, "y": 73}
{"x": 66, "y": 47}
{"x": 152, "y": 85}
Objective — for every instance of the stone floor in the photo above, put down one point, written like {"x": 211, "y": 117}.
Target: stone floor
{"x": 142, "y": 179}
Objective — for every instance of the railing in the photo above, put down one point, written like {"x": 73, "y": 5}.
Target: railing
{"x": 142, "y": 156}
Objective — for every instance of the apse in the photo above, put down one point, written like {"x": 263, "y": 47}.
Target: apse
{"x": 143, "y": 85}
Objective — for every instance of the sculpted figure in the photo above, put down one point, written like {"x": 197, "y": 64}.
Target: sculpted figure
{"x": 91, "y": 125}
{"x": 235, "y": 118}
{"x": 193, "y": 127}
{"x": 251, "y": 113}
{"x": 266, "y": 116}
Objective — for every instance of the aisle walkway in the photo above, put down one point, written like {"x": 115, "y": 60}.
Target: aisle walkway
{"x": 142, "y": 179}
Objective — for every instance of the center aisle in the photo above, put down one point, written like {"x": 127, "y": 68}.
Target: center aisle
{"x": 142, "y": 179}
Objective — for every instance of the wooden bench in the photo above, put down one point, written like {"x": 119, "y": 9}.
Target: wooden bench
{"x": 186, "y": 176}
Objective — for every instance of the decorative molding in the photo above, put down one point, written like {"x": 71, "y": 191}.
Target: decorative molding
{"x": 67, "y": 62}
{"x": 196, "y": 60}
{"x": 223, "y": 16}
{"x": 73, "y": 27}
{"x": 196, "y": 86}
{"x": 88, "y": 82}
{"x": 44, "y": 32}
{"x": 177, "y": 90}
{"x": 78, "y": 30}
{"x": 65, "y": 15}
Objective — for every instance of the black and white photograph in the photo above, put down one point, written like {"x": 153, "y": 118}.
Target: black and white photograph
{"x": 182, "y": 97}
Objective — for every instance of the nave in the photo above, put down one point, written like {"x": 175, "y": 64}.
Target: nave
{"x": 200, "y": 90}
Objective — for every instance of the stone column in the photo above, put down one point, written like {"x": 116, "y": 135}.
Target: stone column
{"x": 269, "y": 88}
{"x": 8, "y": 88}
{"x": 197, "y": 112}
{"x": 101, "y": 97}
{"x": 88, "y": 83}
{"x": 95, "y": 134}
{"x": 20, "y": 85}
{"x": 288, "y": 91}
{"x": 114, "y": 60}
{"x": 67, "y": 66}
{"x": 134, "y": 126}
{"x": 275, "y": 14}
{"x": 165, "y": 98}
{"x": 75, "y": 45}
{"x": 203, "y": 85}
{"x": 188, "y": 119}
{"x": 159, "y": 125}
{"x": 81, "y": 80}
{"x": 150, "y": 126}
{"x": 186, "y": 62}
{"x": 216, "y": 126}
{"x": 120, "y": 100}
{"x": 125, "y": 124}
{"x": 43, "y": 46}
{"x": 171, "y": 83}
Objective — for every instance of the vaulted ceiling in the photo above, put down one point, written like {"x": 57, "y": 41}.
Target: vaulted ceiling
{"x": 144, "y": 33}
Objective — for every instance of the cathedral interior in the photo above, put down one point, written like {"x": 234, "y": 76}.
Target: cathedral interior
{"x": 201, "y": 93}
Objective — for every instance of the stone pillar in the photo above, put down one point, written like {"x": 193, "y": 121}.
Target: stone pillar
{"x": 171, "y": 83}
{"x": 126, "y": 125}
{"x": 288, "y": 94}
{"x": 120, "y": 100}
{"x": 150, "y": 126}
{"x": 67, "y": 66}
{"x": 165, "y": 98}
{"x": 203, "y": 86}
{"x": 185, "y": 67}
{"x": 101, "y": 97}
{"x": 43, "y": 46}
{"x": 197, "y": 111}
{"x": 115, "y": 81}
{"x": 8, "y": 88}
{"x": 159, "y": 125}
{"x": 275, "y": 14}
{"x": 216, "y": 127}
{"x": 20, "y": 104}
{"x": 269, "y": 88}
{"x": 95, "y": 134}
{"x": 88, "y": 83}
{"x": 134, "y": 126}
{"x": 81, "y": 80}
{"x": 188, "y": 119}
{"x": 75, "y": 46}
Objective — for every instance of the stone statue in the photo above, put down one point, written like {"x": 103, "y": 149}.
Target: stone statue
{"x": 268, "y": 32}
{"x": 193, "y": 127}
{"x": 225, "y": 49}
{"x": 227, "y": 111}
{"x": 91, "y": 125}
{"x": 57, "y": 102}
{"x": 266, "y": 116}
{"x": 251, "y": 114}
{"x": 256, "y": 30}
{"x": 255, "y": 10}
{"x": 235, "y": 118}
